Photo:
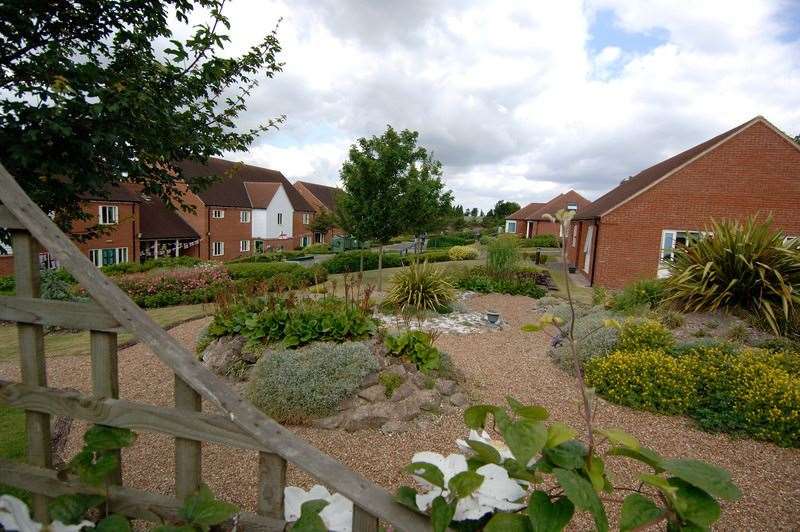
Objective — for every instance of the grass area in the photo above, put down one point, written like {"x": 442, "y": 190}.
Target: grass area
{"x": 12, "y": 444}
{"x": 582, "y": 294}
{"x": 71, "y": 343}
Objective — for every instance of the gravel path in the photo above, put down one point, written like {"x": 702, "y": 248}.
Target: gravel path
{"x": 495, "y": 364}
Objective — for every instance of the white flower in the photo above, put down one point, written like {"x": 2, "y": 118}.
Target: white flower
{"x": 14, "y": 515}
{"x": 497, "y": 492}
{"x": 484, "y": 437}
{"x": 337, "y": 515}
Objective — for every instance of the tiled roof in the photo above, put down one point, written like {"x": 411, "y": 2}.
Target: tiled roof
{"x": 157, "y": 221}
{"x": 325, "y": 194}
{"x": 261, "y": 194}
{"x": 115, "y": 192}
{"x": 525, "y": 212}
{"x": 560, "y": 202}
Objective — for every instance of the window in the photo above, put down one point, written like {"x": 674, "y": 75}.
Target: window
{"x": 218, "y": 249}
{"x": 218, "y": 213}
{"x": 244, "y": 217}
{"x": 511, "y": 226}
{"x": 259, "y": 246}
{"x": 306, "y": 218}
{"x": 108, "y": 256}
{"x": 572, "y": 206}
{"x": 306, "y": 240}
{"x": 575, "y": 235}
{"x": 671, "y": 239}
{"x": 244, "y": 245}
{"x": 5, "y": 248}
{"x": 109, "y": 214}
{"x": 280, "y": 218}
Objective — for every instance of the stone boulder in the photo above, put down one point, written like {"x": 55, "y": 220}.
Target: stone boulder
{"x": 374, "y": 393}
{"x": 222, "y": 353}
{"x": 445, "y": 386}
{"x": 405, "y": 390}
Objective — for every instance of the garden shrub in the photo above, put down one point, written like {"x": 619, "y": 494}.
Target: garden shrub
{"x": 294, "y": 386}
{"x": 317, "y": 249}
{"x": 502, "y": 255}
{"x": 58, "y": 285}
{"x": 446, "y": 241}
{"x": 151, "y": 264}
{"x": 417, "y": 347}
{"x": 519, "y": 281}
{"x": 161, "y": 288}
{"x": 420, "y": 287}
{"x": 636, "y": 334}
{"x": 390, "y": 382}
{"x": 7, "y": 284}
{"x": 278, "y": 275}
{"x": 463, "y": 253}
{"x": 269, "y": 256}
{"x": 645, "y": 293}
{"x": 597, "y": 339}
{"x": 671, "y": 319}
{"x": 545, "y": 241}
{"x": 350, "y": 261}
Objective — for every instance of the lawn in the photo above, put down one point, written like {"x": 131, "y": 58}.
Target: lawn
{"x": 581, "y": 294}
{"x": 69, "y": 343}
{"x": 12, "y": 442}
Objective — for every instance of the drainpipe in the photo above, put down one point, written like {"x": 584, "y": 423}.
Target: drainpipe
{"x": 594, "y": 251}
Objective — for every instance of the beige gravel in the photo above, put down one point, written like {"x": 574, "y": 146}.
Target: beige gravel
{"x": 495, "y": 364}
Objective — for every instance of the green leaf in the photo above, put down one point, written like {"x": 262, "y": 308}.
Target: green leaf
{"x": 582, "y": 495}
{"x": 709, "y": 478}
{"x": 661, "y": 483}
{"x": 568, "y": 455}
{"x": 558, "y": 433}
{"x": 202, "y": 509}
{"x": 93, "y": 468}
{"x": 548, "y": 516}
{"x": 643, "y": 454}
{"x": 441, "y": 514}
{"x": 407, "y": 496}
{"x": 309, "y": 520}
{"x": 475, "y": 416}
{"x": 465, "y": 483}
{"x": 694, "y": 504}
{"x": 428, "y": 472}
{"x": 113, "y": 523}
{"x": 619, "y": 437}
{"x": 104, "y": 438}
{"x": 174, "y": 528}
{"x": 531, "y": 327}
{"x": 637, "y": 510}
{"x": 595, "y": 470}
{"x": 531, "y": 412}
{"x": 525, "y": 439}
{"x": 504, "y": 522}
{"x": 71, "y": 509}
{"x": 517, "y": 470}
{"x": 486, "y": 452}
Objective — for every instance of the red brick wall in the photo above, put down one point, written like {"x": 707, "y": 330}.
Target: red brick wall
{"x": 299, "y": 229}
{"x": 124, "y": 235}
{"x": 229, "y": 230}
{"x": 757, "y": 171}
{"x": 198, "y": 220}
{"x": 575, "y": 254}
{"x": 6, "y": 265}
{"x": 544, "y": 227}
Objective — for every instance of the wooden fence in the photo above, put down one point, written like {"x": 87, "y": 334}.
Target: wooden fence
{"x": 111, "y": 311}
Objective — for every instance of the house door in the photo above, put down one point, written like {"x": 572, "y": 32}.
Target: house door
{"x": 109, "y": 256}
{"x": 529, "y": 230}
{"x": 587, "y": 249}
{"x": 319, "y": 238}
{"x": 259, "y": 246}
{"x": 305, "y": 241}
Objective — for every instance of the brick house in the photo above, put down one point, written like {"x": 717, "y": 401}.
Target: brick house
{"x": 235, "y": 216}
{"x": 164, "y": 233}
{"x": 323, "y": 199}
{"x": 530, "y": 220}
{"x": 626, "y": 234}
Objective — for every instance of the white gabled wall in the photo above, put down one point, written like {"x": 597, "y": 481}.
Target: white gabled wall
{"x": 265, "y": 221}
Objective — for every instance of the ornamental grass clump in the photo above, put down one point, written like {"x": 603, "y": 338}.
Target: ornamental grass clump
{"x": 420, "y": 287}
{"x": 502, "y": 255}
{"x": 739, "y": 265}
{"x": 463, "y": 253}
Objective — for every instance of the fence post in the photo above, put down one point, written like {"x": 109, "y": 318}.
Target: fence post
{"x": 271, "y": 482}
{"x": 105, "y": 379}
{"x": 32, "y": 363}
{"x": 188, "y": 457}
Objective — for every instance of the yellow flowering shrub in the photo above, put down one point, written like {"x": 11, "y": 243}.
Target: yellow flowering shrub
{"x": 463, "y": 253}
{"x": 639, "y": 334}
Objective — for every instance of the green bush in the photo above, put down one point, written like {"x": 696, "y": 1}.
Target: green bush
{"x": 350, "y": 261}
{"x": 417, "y": 347}
{"x": 58, "y": 285}
{"x": 446, "y": 241}
{"x": 269, "y": 256}
{"x": 317, "y": 249}
{"x": 264, "y": 322}
{"x": 390, "y": 382}
{"x": 463, "y": 253}
{"x": 502, "y": 255}
{"x": 176, "y": 286}
{"x": 7, "y": 284}
{"x": 739, "y": 265}
{"x": 596, "y": 338}
{"x": 544, "y": 241}
{"x": 647, "y": 293}
{"x": 639, "y": 334}
{"x": 278, "y": 275}
{"x": 294, "y": 386}
{"x": 420, "y": 287}
{"x": 520, "y": 281}
{"x": 152, "y": 264}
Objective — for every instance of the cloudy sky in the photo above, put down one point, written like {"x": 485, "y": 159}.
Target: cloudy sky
{"x": 523, "y": 99}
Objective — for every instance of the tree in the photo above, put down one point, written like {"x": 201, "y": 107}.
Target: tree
{"x": 474, "y": 212}
{"x": 391, "y": 185}
{"x": 323, "y": 222}
{"x": 504, "y": 208}
{"x": 90, "y": 100}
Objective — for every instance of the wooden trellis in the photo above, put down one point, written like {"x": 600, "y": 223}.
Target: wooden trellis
{"x": 111, "y": 311}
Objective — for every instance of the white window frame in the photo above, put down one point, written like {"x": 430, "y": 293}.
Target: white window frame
{"x": 665, "y": 256}
{"x": 244, "y": 217}
{"x": 217, "y": 248}
{"x": 108, "y": 215}
{"x": 217, "y": 214}
{"x": 96, "y": 256}
{"x": 572, "y": 206}
{"x": 306, "y": 218}
{"x": 244, "y": 245}
{"x": 280, "y": 218}
{"x": 511, "y": 224}
{"x": 6, "y": 250}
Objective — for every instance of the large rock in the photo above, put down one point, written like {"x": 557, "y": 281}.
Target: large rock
{"x": 222, "y": 353}
{"x": 352, "y": 402}
{"x": 405, "y": 390}
{"x": 371, "y": 379}
{"x": 330, "y": 422}
{"x": 459, "y": 399}
{"x": 426, "y": 399}
{"x": 445, "y": 386}
{"x": 374, "y": 415}
{"x": 374, "y": 393}
{"x": 397, "y": 369}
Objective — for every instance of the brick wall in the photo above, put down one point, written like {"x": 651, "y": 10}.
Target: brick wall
{"x": 757, "y": 171}
{"x": 123, "y": 235}
{"x": 198, "y": 220}
{"x": 230, "y": 230}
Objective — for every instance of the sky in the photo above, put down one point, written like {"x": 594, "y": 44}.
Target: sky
{"x": 519, "y": 100}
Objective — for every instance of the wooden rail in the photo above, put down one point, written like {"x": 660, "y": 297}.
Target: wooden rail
{"x": 242, "y": 425}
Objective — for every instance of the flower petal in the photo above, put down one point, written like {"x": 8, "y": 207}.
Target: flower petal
{"x": 425, "y": 500}
{"x": 293, "y": 499}
{"x": 470, "y": 508}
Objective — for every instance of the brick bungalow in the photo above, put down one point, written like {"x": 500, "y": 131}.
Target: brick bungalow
{"x": 530, "y": 220}
{"x": 230, "y": 224}
{"x": 626, "y": 234}
{"x": 323, "y": 199}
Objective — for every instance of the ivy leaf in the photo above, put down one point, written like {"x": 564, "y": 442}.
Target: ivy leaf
{"x": 104, "y": 438}
{"x": 582, "y": 495}
{"x": 619, "y": 437}
{"x": 694, "y": 504}
{"x": 637, "y": 510}
{"x": 531, "y": 412}
{"x": 558, "y": 433}
{"x": 475, "y": 416}
{"x": 525, "y": 438}
{"x": 707, "y": 477}
{"x": 428, "y": 472}
{"x": 548, "y": 516}
{"x": 70, "y": 509}
{"x": 465, "y": 483}
{"x": 202, "y": 509}
{"x": 407, "y": 496}
{"x": 113, "y": 523}
{"x": 441, "y": 514}
{"x": 486, "y": 452}
{"x": 309, "y": 520}
{"x": 568, "y": 455}
{"x": 643, "y": 454}
{"x": 504, "y": 522}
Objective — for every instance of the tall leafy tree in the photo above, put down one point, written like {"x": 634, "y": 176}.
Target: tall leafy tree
{"x": 100, "y": 92}
{"x": 391, "y": 185}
